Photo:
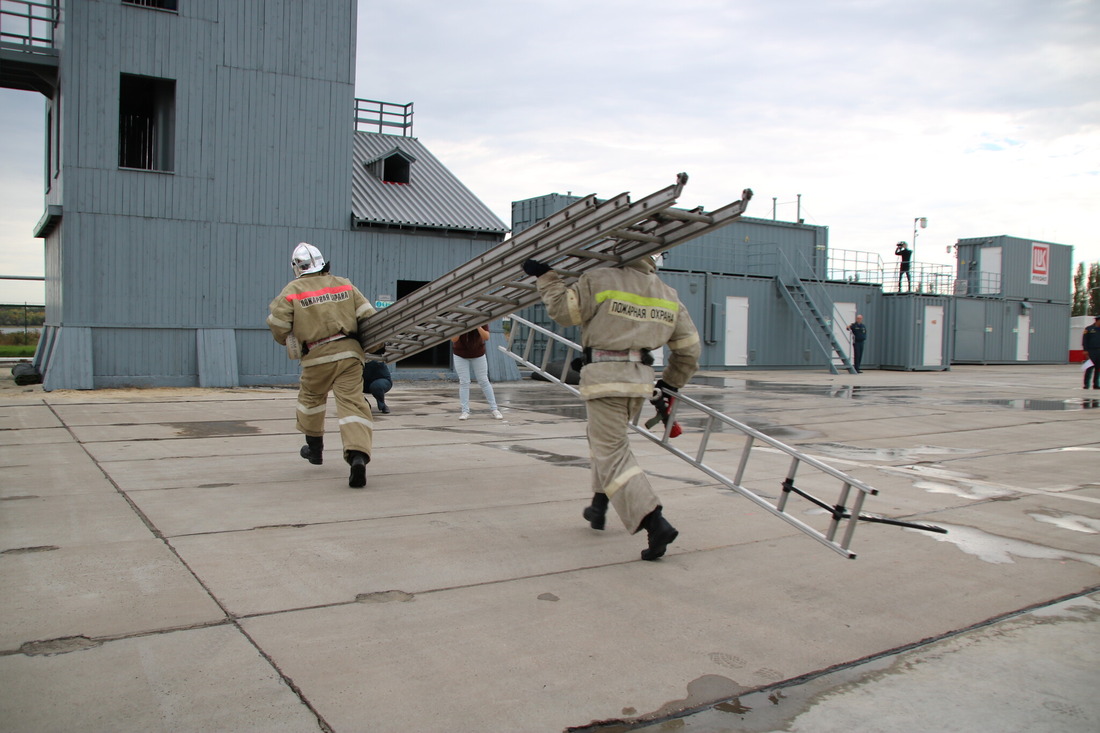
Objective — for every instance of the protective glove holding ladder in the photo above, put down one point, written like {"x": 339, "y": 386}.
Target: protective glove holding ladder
{"x": 663, "y": 404}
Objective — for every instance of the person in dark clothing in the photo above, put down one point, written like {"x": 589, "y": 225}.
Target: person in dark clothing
{"x": 377, "y": 382}
{"x": 906, "y": 255}
{"x": 1090, "y": 342}
{"x": 859, "y": 335}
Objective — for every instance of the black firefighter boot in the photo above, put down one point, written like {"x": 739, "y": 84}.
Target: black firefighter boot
{"x": 661, "y": 534}
{"x": 358, "y": 460}
{"x": 311, "y": 451}
{"x": 596, "y": 514}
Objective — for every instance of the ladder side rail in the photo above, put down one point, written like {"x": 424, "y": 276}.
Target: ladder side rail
{"x": 853, "y": 518}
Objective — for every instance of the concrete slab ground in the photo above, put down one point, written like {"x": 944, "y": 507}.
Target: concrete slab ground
{"x": 168, "y": 562}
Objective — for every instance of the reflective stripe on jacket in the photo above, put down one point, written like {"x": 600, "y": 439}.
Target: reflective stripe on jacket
{"x": 317, "y": 306}
{"x": 623, "y": 308}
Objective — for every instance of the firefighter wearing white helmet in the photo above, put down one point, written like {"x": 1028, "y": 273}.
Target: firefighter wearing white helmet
{"x": 327, "y": 315}
{"x": 625, "y": 312}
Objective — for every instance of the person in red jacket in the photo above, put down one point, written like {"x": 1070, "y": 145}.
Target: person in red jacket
{"x": 469, "y": 355}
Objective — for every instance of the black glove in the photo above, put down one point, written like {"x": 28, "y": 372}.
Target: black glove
{"x": 534, "y": 268}
{"x": 577, "y": 364}
{"x": 662, "y": 384}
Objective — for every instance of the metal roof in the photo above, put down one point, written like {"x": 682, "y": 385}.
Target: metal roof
{"x": 433, "y": 198}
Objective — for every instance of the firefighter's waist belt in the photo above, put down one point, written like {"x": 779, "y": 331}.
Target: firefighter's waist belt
{"x": 325, "y": 340}
{"x": 636, "y": 355}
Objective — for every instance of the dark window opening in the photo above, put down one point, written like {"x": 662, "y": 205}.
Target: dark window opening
{"x": 395, "y": 169}
{"x": 162, "y": 4}
{"x": 437, "y": 356}
{"x": 146, "y": 124}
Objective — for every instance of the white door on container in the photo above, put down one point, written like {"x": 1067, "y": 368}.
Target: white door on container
{"x": 737, "y": 330}
{"x": 989, "y": 270}
{"x": 933, "y": 335}
{"x": 1023, "y": 336}
{"x": 843, "y": 315}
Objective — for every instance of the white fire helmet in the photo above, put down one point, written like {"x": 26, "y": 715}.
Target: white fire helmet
{"x": 659, "y": 259}
{"x": 306, "y": 259}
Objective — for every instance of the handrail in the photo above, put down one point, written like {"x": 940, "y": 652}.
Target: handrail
{"x": 29, "y": 24}
{"x": 373, "y": 113}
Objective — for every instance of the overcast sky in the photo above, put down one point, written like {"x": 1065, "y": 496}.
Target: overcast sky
{"x": 981, "y": 115}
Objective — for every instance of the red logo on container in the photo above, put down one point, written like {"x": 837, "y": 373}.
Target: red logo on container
{"x": 1040, "y": 264}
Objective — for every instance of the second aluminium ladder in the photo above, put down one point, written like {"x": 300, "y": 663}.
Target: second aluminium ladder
{"x": 842, "y": 514}
{"x": 586, "y": 234}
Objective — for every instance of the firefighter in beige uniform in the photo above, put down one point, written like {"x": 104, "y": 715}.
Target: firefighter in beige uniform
{"x": 327, "y": 316}
{"x": 625, "y": 312}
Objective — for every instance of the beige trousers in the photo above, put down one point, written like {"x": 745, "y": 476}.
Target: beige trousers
{"x": 615, "y": 472}
{"x": 344, "y": 378}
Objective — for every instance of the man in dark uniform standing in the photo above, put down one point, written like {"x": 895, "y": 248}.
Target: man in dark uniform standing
{"x": 1090, "y": 342}
{"x": 859, "y": 335}
{"x": 906, "y": 255}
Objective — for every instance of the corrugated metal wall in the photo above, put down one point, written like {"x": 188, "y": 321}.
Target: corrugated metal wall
{"x": 777, "y": 337}
{"x": 907, "y": 329}
{"x": 988, "y": 331}
{"x": 1016, "y": 269}
{"x": 165, "y": 267}
{"x": 750, "y": 246}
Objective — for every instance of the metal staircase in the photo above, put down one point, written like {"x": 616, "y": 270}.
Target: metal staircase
{"x": 838, "y": 519}
{"x": 818, "y": 317}
{"x": 821, "y": 329}
{"x": 587, "y": 234}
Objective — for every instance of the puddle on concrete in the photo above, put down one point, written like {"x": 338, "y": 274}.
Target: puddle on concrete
{"x": 1000, "y": 550}
{"x": 212, "y": 429}
{"x": 1088, "y": 449}
{"x": 544, "y": 455}
{"x": 852, "y": 391}
{"x": 854, "y": 453}
{"x": 1072, "y": 522}
{"x": 1040, "y": 405}
{"x": 937, "y": 480}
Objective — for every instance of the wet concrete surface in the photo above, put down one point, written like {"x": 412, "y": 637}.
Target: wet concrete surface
{"x": 167, "y": 562}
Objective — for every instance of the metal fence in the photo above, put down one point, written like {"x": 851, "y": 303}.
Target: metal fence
{"x": 28, "y": 23}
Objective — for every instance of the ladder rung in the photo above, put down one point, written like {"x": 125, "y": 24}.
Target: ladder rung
{"x": 636, "y": 236}
{"x": 686, "y": 216}
{"x": 497, "y": 299}
{"x": 587, "y": 255}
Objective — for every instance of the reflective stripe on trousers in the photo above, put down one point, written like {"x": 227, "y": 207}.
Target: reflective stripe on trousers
{"x": 345, "y": 379}
{"x": 615, "y": 471}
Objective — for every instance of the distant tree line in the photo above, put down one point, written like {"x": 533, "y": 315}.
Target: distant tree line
{"x": 1086, "y": 293}
{"x": 20, "y": 315}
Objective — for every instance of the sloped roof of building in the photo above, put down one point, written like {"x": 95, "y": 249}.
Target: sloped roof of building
{"x": 432, "y": 197}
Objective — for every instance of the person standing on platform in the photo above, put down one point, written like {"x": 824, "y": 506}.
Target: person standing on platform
{"x": 906, "y": 255}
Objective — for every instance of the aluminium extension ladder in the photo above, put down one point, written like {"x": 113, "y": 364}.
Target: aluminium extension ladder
{"x": 842, "y": 520}
{"x": 586, "y": 234}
